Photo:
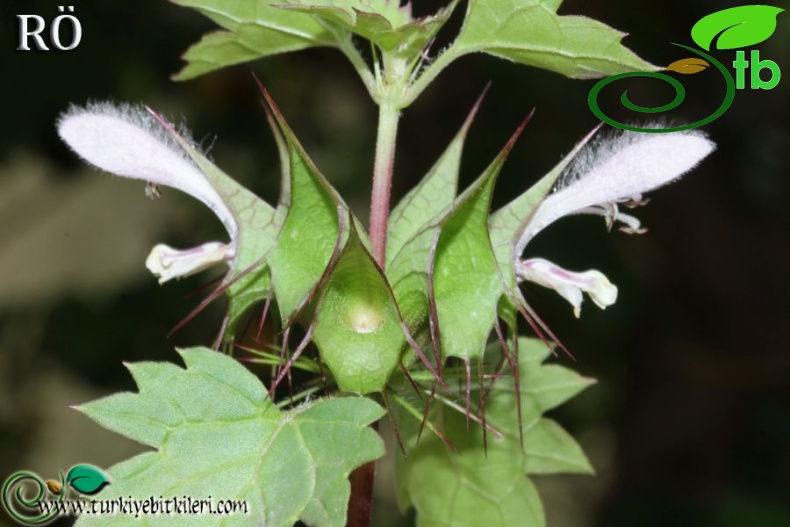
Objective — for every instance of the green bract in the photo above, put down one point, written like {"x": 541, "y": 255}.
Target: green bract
{"x": 432, "y": 195}
{"x": 310, "y": 227}
{"x": 448, "y": 270}
{"x": 358, "y": 328}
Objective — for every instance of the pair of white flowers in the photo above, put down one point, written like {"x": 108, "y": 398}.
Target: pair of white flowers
{"x": 132, "y": 143}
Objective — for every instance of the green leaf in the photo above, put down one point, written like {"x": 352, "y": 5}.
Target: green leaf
{"x": 737, "y": 27}
{"x": 477, "y": 487}
{"x": 433, "y": 195}
{"x": 530, "y": 32}
{"x": 87, "y": 479}
{"x": 358, "y": 328}
{"x": 385, "y": 13}
{"x": 216, "y": 433}
{"x": 308, "y": 238}
{"x": 254, "y": 29}
{"x": 383, "y": 22}
{"x": 258, "y": 225}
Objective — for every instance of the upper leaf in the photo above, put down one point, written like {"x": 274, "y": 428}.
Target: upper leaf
{"x": 386, "y": 13}
{"x": 737, "y": 27}
{"x": 479, "y": 486}
{"x": 254, "y": 29}
{"x": 530, "y": 32}
{"x": 216, "y": 433}
{"x": 384, "y": 22}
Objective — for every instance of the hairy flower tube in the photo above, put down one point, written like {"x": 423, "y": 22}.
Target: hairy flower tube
{"x": 131, "y": 142}
{"x": 613, "y": 171}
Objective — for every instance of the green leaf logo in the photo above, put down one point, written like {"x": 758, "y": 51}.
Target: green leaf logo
{"x": 738, "y": 27}
{"x": 87, "y": 479}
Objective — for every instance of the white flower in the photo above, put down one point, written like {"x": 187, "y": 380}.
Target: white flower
{"x": 614, "y": 171}
{"x": 134, "y": 143}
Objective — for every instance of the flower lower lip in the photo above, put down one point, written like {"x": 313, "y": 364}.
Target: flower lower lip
{"x": 167, "y": 263}
{"x": 570, "y": 285}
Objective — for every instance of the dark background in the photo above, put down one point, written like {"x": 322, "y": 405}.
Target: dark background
{"x": 689, "y": 424}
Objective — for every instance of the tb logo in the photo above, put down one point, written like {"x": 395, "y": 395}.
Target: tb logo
{"x": 737, "y": 27}
{"x": 756, "y": 65}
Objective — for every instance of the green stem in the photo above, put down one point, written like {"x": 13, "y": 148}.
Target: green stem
{"x": 382, "y": 178}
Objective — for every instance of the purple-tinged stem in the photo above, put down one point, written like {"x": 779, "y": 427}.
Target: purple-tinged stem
{"x": 382, "y": 179}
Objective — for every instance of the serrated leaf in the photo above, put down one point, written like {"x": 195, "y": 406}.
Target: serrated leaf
{"x": 308, "y": 238}
{"x": 216, "y": 433}
{"x": 87, "y": 479}
{"x": 384, "y": 22}
{"x": 254, "y": 29}
{"x": 358, "y": 328}
{"x": 434, "y": 193}
{"x": 214, "y": 51}
{"x": 530, "y": 32}
{"x": 473, "y": 487}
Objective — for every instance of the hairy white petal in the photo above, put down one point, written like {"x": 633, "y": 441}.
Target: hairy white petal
{"x": 568, "y": 284}
{"x": 129, "y": 142}
{"x": 167, "y": 263}
{"x": 616, "y": 169}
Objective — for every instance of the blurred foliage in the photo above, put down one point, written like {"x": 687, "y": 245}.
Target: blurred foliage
{"x": 689, "y": 423}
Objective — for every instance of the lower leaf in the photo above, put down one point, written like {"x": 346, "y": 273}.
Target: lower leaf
{"x": 218, "y": 436}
